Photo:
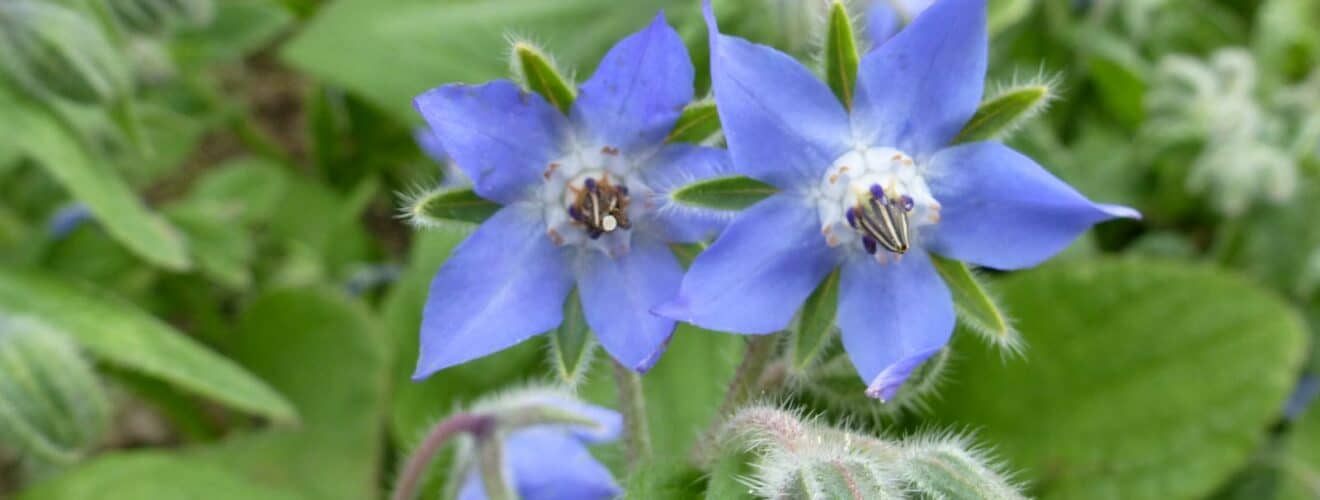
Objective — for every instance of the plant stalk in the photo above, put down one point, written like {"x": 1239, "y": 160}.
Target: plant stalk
{"x": 632, "y": 402}
{"x": 415, "y": 470}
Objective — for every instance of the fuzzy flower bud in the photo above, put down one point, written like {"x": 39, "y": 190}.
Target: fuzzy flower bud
{"x": 53, "y": 410}
{"x": 52, "y": 50}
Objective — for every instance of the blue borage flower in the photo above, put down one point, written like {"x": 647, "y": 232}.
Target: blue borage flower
{"x": 552, "y": 462}
{"x": 586, "y": 200}
{"x": 872, "y": 191}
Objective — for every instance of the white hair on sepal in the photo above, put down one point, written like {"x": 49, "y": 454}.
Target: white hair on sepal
{"x": 412, "y": 209}
{"x": 515, "y": 40}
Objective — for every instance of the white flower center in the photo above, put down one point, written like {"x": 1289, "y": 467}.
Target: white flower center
{"x": 875, "y": 200}
{"x": 587, "y": 199}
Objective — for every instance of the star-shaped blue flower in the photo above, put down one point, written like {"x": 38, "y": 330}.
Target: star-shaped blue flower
{"x": 586, "y": 202}
{"x": 551, "y": 462}
{"x": 871, "y": 190}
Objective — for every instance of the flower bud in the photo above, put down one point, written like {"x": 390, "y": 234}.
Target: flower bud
{"x": 949, "y": 467}
{"x": 52, "y": 50}
{"x": 834, "y": 383}
{"x": 53, "y": 409}
{"x": 158, "y": 17}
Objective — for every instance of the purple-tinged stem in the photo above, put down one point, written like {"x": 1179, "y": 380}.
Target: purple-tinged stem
{"x": 411, "y": 478}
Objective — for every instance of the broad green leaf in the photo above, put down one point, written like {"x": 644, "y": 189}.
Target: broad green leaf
{"x": 110, "y": 200}
{"x": 431, "y": 43}
{"x": 120, "y": 334}
{"x": 1163, "y": 377}
{"x": 323, "y": 351}
{"x": 815, "y": 327}
{"x": 572, "y": 344}
{"x": 446, "y": 206}
{"x": 699, "y": 121}
{"x": 240, "y": 27}
{"x": 723, "y": 193}
{"x": 254, "y": 187}
{"x": 728, "y": 475}
{"x": 667, "y": 479}
{"x": 152, "y": 475}
{"x": 220, "y": 247}
{"x": 975, "y": 307}
{"x": 841, "y": 55}
{"x": 1004, "y": 113}
{"x": 537, "y": 71}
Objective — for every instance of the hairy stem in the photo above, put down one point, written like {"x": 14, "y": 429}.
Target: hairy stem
{"x": 411, "y": 478}
{"x": 633, "y": 404}
{"x": 745, "y": 384}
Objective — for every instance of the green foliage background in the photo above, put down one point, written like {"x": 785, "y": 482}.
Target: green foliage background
{"x": 251, "y": 301}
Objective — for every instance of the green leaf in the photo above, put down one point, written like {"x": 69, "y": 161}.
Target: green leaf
{"x": 1165, "y": 377}
{"x": 240, "y": 27}
{"x": 815, "y": 327}
{"x": 841, "y": 55}
{"x": 699, "y": 121}
{"x": 537, "y": 71}
{"x": 723, "y": 193}
{"x": 108, "y": 197}
{"x": 442, "y": 42}
{"x": 120, "y": 334}
{"x": 446, "y": 206}
{"x": 221, "y": 248}
{"x": 572, "y": 345}
{"x": 151, "y": 476}
{"x": 1004, "y": 113}
{"x": 338, "y": 380}
{"x": 976, "y": 308}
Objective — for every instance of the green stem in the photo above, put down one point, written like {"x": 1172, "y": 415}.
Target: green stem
{"x": 633, "y": 404}
{"x": 745, "y": 384}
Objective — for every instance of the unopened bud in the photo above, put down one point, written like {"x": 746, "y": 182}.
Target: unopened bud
{"x": 53, "y": 410}
{"x": 52, "y": 50}
{"x": 951, "y": 468}
{"x": 158, "y": 17}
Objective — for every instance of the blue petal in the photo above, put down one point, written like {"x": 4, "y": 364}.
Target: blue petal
{"x": 892, "y": 317}
{"x": 548, "y": 465}
{"x": 617, "y": 297}
{"x": 783, "y": 125}
{"x": 678, "y": 165}
{"x": 502, "y": 137}
{"x": 502, "y": 285}
{"x": 638, "y": 90}
{"x": 882, "y": 21}
{"x": 1002, "y": 210}
{"x": 430, "y": 144}
{"x": 756, "y": 275}
{"x": 918, "y": 89}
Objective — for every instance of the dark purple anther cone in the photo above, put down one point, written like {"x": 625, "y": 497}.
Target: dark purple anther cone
{"x": 869, "y": 244}
{"x": 590, "y": 184}
{"x": 852, "y": 217}
{"x": 623, "y": 190}
{"x": 907, "y": 203}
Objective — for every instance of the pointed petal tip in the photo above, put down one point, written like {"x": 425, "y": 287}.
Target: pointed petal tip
{"x": 678, "y": 309}
{"x": 708, "y": 13}
{"x": 1119, "y": 211}
{"x": 886, "y": 385}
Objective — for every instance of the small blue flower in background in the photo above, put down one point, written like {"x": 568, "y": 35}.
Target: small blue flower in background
{"x": 551, "y": 462}
{"x": 66, "y": 219}
{"x": 586, "y": 201}
{"x": 872, "y": 191}
{"x": 885, "y": 17}
{"x": 451, "y": 175}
